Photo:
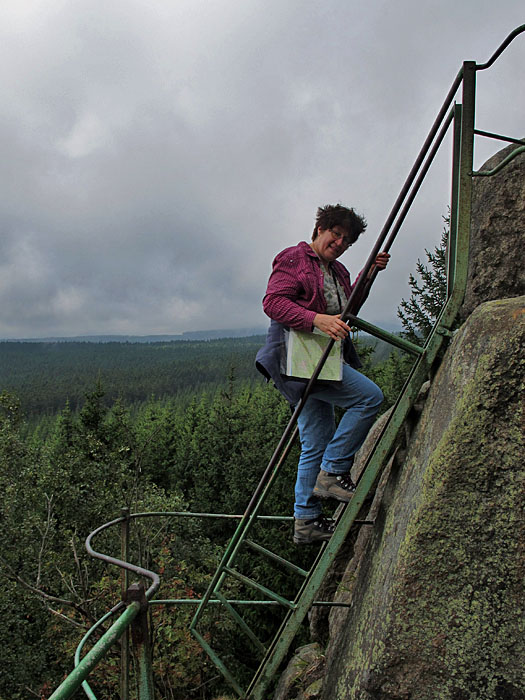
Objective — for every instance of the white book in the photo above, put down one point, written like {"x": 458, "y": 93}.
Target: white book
{"x": 303, "y": 352}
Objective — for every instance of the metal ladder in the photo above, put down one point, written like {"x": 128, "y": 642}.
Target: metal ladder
{"x": 461, "y": 118}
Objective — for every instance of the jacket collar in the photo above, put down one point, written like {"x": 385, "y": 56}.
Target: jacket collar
{"x": 309, "y": 251}
{"x": 306, "y": 247}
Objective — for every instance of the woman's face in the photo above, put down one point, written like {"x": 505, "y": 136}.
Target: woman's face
{"x": 330, "y": 243}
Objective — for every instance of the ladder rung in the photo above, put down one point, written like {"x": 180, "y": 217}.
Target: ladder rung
{"x": 276, "y": 557}
{"x": 259, "y": 587}
{"x": 242, "y": 624}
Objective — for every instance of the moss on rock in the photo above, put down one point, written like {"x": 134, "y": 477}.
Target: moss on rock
{"x": 441, "y": 612}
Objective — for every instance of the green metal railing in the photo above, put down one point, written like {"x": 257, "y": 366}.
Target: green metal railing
{"x": 459, "y": 119}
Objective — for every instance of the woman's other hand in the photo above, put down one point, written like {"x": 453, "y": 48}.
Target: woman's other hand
{"x": 332, "y": 326}
{"x": 380, "y": 263}
{"x": 382, "y": 260}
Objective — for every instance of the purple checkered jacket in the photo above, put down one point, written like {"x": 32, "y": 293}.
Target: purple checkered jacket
{"x": 293, "y": 297}
{"x": 295, "y": 289}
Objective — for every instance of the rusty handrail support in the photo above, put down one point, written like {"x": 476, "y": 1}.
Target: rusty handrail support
{"x": 140, "y": 639}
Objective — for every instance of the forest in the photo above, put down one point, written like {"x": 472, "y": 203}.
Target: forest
{"x": 200, "y": 450}
{"x": 184, "y": 427}
{"x": 45, "y": 376}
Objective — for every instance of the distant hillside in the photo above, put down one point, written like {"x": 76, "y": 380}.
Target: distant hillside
{"x": 187, "y": 335}
{"x": 47, "y": 374}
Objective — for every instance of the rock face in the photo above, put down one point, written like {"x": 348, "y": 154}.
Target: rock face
{"x": 310, "y": 657}
{"x": 496, "y": 268}
{"x": 436, "y": 587}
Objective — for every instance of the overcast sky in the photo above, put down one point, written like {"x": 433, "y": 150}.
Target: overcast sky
{"x": 157, "y": 154}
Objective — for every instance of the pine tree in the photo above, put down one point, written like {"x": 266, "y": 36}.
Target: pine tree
{"x": 419, "y": 313}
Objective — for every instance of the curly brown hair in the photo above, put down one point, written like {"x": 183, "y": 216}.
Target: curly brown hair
{"x": 336, "y": 215}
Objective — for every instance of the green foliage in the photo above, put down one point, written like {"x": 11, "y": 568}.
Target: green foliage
{"x": 50, "y": 499}
{"x": 428, "y": 293}
{"x": 391, "y": 376}
{"x": 207, "y": 458}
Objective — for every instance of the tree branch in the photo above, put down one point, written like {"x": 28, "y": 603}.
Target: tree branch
{"x": 44, "y": 536}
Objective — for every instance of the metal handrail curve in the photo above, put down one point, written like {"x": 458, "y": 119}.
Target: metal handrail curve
{"x": 501, "y": 49}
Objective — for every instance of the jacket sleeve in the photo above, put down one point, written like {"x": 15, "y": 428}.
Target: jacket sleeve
{"x": 283, "y": 291}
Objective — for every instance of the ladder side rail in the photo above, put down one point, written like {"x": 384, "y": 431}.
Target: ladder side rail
{"x": 291, "y": 430}
{"x": 444, "y": 122}
{"x": 284, "y": 635}
{"x": 359, "y": 287}
{"x": 448, "y": 100}
{"x": 463, "y": 199}
{"x": 375, "y": 461}
{"x": 414, "y": 171}
{"x": 453, "y": 223}
{"x": 410, "y": 197}
{"x": 295, "y": 618}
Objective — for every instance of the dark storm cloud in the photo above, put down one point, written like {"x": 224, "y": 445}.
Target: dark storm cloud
{"x": 156, "y": 156}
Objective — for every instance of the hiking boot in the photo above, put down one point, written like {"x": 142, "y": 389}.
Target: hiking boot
{"x": 318, "y": 529}
{"x": 338, "y": 486}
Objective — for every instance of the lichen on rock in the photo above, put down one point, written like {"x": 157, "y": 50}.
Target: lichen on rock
{"x": 440, "y": 615}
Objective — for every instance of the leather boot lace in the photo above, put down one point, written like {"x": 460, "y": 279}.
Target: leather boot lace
{"x": 346, "y": 482}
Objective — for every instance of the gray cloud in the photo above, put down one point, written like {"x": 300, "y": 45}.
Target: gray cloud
{"x": 156, "y": 156}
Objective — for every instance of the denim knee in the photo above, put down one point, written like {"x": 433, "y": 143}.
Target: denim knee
{"x": 371, "y": 396}
{"x": 312, "y": 451}
{"x": 376, "y": 397}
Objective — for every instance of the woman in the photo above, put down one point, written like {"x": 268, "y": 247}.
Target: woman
{"x": 309, "y": 288}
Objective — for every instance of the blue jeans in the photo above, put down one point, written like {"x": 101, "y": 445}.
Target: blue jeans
{"x": 323, "y": 446}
